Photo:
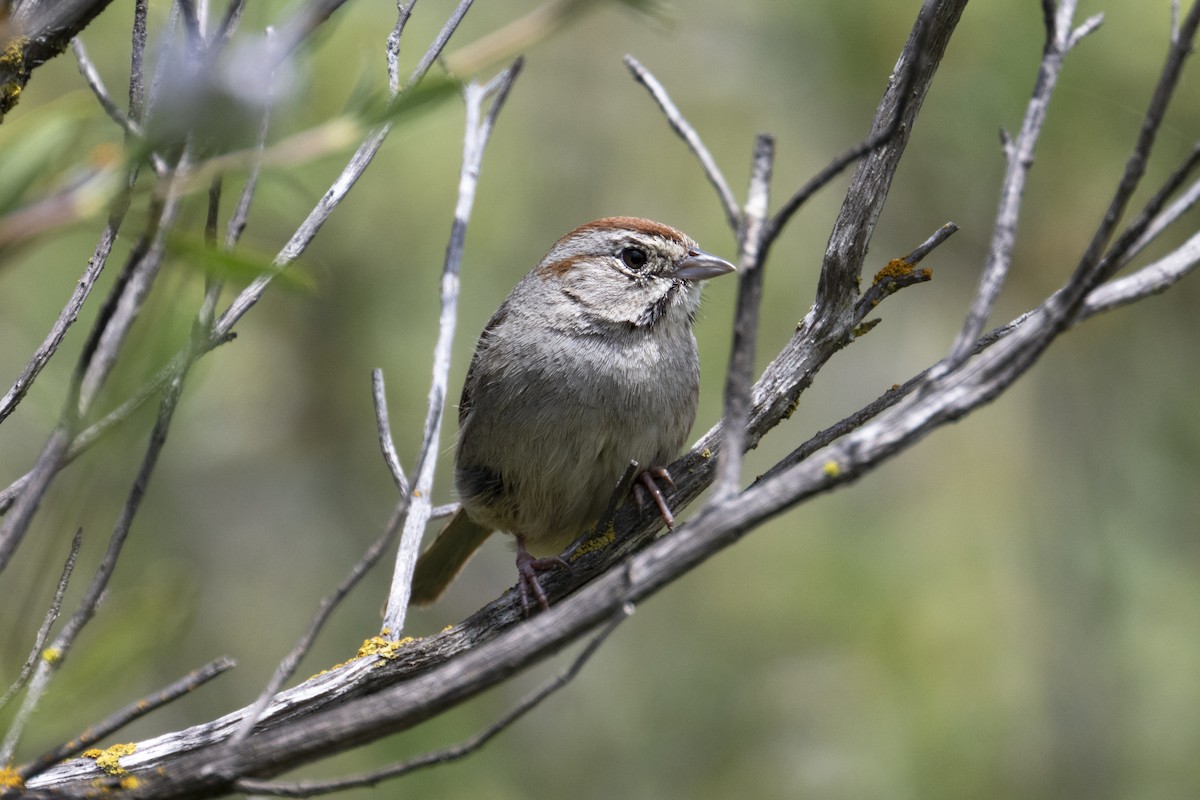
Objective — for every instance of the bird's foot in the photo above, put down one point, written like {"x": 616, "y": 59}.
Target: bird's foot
{"x": 528, "y": 568}
{"x": 645, "y": 484}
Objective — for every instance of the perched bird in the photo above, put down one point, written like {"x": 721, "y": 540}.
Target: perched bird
{"x": 589, "y": 363}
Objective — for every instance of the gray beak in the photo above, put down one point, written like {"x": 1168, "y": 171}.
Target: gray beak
{"x": 699, "y": 266}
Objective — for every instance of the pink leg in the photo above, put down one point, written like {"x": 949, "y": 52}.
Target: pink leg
{"x": 528, "y": 568}
{"x": 645, "y": 484}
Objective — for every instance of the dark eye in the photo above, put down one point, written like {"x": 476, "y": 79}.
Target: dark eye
{"x": 634, "y": 257}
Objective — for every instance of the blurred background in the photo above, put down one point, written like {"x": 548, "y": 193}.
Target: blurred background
{"x": 1009, "y": 609}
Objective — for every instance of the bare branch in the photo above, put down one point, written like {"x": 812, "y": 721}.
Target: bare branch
{"x": 134, "y": 711}
{"x": 1093, "y": 267}
{"x": 287, "y": 667}
{"x": 91, "y": 599}
{"x": 137, "y": 56}
{"x": 357, "y": 165}
{"x": 686, "y": 132}
{"x": 392, "y": 51}
{"x": 1162, "y": 221}
{"x": 439, "y": 44}
{"x": 386, "y": 443}
{"x": 844, "y": 255}
{"x": 1020, "y": 158}
{"x": 475, "y": 140}
{"x": 895, "y": 114}
{"x": 43, "y": 634}
{"x": 753, "y": 246}
{"x": 1150, "y": 279}
{"x": 96, "y": 84}
{"x": 449, "y": 754}
{"x": 70, "y": 312}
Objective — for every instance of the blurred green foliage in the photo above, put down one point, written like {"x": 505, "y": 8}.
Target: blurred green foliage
{"x": 1009, "y": 610}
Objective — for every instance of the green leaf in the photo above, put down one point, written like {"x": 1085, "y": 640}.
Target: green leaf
{"x": 240, "y": 266}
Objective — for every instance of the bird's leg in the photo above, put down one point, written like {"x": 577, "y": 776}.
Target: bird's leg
{"x": 528, "y": 568}
{"x": 645, "y": 484}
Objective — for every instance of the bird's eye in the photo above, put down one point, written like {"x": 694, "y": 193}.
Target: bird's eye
{"x": 634, "y": 257}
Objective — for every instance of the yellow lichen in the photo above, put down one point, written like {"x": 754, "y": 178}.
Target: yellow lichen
{"x": 51, "y": 655}
{"x": 384, "y": 648}
{"x": 108, "y": 760}
{"x": 9, "y": 779}
{"x": 832, "y": 469}
{"x": 597, "y": 542}
{"x": 706, "y": 454}
{"x": 130, "y": 782}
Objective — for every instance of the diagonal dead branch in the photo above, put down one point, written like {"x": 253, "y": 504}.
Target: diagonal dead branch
{"x": 449, "y": 754}
{"x": 134, "y": 711}
{"x": 479, "y": 126}
{"x": 686, "y": 132}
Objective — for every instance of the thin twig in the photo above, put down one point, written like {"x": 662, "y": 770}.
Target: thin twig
{"x": 43, "y": 634}
{"x": 1019, "y": 155}
{"x": 475, "y": 139}
{"x": 439, "y": 43}
{"x": 302, "y": 238}
{"x": 287, "y": 667}
{"x": 935, "y": 240}
{"x": 229, "y": 22}
{"x": 1093, "y": 268}
{"x": 70, "y": 312}
{"x": 913, "y": 59}
{"x": 1150, "y": 279}
{"x": 449, "y": 754}
{"x": 137, "y": 58}
{"x": 753, "y": 246}
{"x": 686, "y": 132}
{"x": 392, "y": 51}
{"x": 130, "y": 298}
{"x": 88, "y": 70}
{"x": 900, "y": 273}
{"x": 1184, "y": 203}
{"x": 134, "y": 711}
{"x": 91, "y": 599}
{"x": 241, "y": 212}
{"x": 444, "y": 510}
{"x": 1136, "y": 231}
{"x": 386, "y": 443}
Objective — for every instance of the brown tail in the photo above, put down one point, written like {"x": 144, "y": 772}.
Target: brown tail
{"x": 443, "y": 559}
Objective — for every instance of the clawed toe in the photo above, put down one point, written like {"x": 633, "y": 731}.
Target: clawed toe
{"x": 645, "y": 485}
{"x": 528, "y": 568}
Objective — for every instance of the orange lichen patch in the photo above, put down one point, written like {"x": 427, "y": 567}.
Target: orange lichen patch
{"x": 109, "y": 759}
{"x": 896, "y": 268}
